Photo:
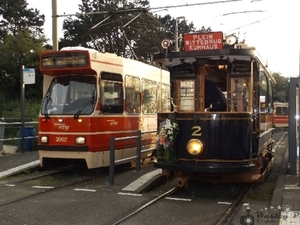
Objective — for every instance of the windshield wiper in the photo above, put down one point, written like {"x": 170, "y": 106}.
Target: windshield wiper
{"x": 48, "y": 100}
{"x": 88, "y": 103}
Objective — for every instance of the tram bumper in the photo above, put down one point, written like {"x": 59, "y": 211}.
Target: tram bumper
{"x": 207, "y": 167}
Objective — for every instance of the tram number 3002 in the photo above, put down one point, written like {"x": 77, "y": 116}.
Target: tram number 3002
{"x": 61, "y": 139}
{"x": 197, "y": 131}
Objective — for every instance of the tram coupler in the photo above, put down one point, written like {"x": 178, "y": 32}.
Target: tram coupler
{"x": 182, "y": 182}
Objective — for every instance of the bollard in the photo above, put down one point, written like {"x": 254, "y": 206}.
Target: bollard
{"x": 138, "y": 149}
{"x": 112, "y": 161}
{"x": 2, "y": 129}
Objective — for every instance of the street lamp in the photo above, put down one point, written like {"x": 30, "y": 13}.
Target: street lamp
{"x": 176, "y": 32}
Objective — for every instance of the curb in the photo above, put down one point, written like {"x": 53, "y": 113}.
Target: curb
{"x": 277, "y": 196}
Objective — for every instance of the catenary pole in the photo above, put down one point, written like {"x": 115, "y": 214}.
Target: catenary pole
{"x": 54, "y": 25}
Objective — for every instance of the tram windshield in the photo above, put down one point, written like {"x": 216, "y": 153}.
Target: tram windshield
{"x": 70, "y": 95}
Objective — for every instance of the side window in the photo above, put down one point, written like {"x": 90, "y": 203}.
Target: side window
{"x": 263, "y": 93}
{"x": 239, "y": 95}
{"x": 149, "y": 100}
{"x": 132, "y": 92}
{"x": 111, "y": 89}
{"x": 270, "y": 100}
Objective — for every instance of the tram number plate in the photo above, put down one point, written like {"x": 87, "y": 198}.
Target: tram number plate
{"x": 61, "y": 139}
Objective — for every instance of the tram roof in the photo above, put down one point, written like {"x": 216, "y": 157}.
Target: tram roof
{"x": 171, "y": 59}
{"x": 204, "y": 48}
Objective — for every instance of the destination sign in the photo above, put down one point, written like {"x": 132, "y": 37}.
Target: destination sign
{"x": 186, "y": 71}
{"x": 64, "y": 59}
{"x": 203, "y": 41}
{"x": 241, "y": 68}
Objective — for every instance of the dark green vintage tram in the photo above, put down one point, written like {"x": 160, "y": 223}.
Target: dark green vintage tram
{"x": 220, "y": 124}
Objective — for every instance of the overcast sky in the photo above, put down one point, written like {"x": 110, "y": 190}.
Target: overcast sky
{"x": 269, "y": 25}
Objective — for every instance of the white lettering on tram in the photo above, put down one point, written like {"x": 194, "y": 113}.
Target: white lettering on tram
{"x": 63, "y": 127}
{"x": 203, "y": 42}
{"x": 113, "y": 122}
{"x": 61, "y": 139}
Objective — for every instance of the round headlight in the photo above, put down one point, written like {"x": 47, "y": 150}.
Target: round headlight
{"x": 44, "y": 139}
{"x": 80, "y": 140}
{"x": 166, "y": 43}
{"x": 231, "y": 39}
{"x": 195, "y": 147}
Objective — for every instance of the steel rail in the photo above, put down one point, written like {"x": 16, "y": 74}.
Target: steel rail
{"x": 172, "y": 190}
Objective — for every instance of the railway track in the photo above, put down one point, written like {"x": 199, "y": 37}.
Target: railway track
{"x": 29, "y": 177}
{"x": 144, "y": 206}
{"x": 201, "y": 208}
{"x": 224, "y": 217}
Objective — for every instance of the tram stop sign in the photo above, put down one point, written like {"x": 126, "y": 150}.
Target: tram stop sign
{"x": 29, "y": 76}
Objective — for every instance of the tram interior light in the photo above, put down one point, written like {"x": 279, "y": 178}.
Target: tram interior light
{"x": 222, "y": 67}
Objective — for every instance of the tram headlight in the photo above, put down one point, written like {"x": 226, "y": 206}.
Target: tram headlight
{"x": 195, "y": 147}
{"x": 44, "y": 139}
{"x": 80, "y": 140}
{"x": 231, "y": 39}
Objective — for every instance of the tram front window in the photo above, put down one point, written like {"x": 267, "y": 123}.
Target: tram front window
{"x": 185, "y": 94}
{"x": 239, "y": 94}
{"x": 70, "y": 95}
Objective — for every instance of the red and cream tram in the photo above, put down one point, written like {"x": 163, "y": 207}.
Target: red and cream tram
{"x": 90, "y": 97}
{"x": 281, "y": 114}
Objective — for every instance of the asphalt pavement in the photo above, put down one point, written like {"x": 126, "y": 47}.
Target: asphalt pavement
{"x": 285, "y": 201}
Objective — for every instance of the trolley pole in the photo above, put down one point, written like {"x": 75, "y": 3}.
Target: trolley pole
{"x": 160, "y": 91}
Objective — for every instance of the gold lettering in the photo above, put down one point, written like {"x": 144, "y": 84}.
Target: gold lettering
{"x": 197, "y": 131}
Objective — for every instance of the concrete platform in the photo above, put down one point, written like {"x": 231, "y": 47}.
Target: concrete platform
{"x": 8, "y": 149}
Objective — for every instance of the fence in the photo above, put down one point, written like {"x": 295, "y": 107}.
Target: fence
{"x": 31, "y": 135}
{"x": 24, "y": 131}
{"x": 139, "y": 152}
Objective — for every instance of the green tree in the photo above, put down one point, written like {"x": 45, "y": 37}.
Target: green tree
{"x": 281, "y": 88}
{"x": 125, "y": 28}
{"x": 21, "y": 40}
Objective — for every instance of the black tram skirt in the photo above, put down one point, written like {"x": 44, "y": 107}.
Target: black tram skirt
{"x": 207, "y": 167}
